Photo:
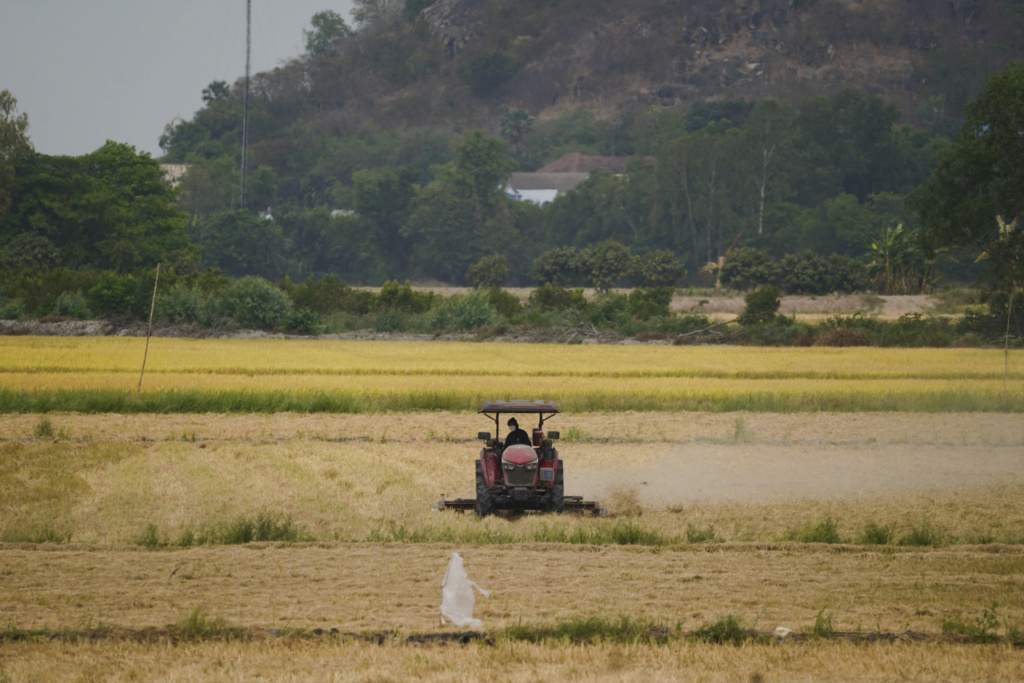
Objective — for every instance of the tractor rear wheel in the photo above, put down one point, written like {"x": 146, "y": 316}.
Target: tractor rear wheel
{"x": 484, "y": 501}
{"x": 556, "y": 503}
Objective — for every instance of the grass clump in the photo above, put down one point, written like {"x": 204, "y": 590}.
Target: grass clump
{"x": 589, "y": 630}
{"x": 264, "y": 527}
{"x": 923, "y": 536}
{"x": 197, "y": 627}
{"x": 984, "y": 629}
{"x": 876, "y": 534}
{"x": 149, "y": 538}
{"x": 823, "y": 627}
{"x": 43, "y": 429}
{"x": 822, "y": 532}
{"x": 725, "y": 631}
{"x": 697, "y": 535}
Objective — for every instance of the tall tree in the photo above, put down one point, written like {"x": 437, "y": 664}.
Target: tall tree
{"x": 110, "y": 209}
{"x": 975, "y": 198}
{"x": 449, "y": 225}
{"x": 327, "y": 28}
{"x": 14, "y": 145}
{"x": 980, "y": 176}
{"x": 766, "y": 140}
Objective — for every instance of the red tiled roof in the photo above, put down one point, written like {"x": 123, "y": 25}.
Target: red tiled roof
{"x": 575, "y": 162}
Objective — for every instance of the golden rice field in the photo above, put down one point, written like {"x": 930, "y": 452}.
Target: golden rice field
{"x": 117, "y": 522}
{"x": 404, "y": 375}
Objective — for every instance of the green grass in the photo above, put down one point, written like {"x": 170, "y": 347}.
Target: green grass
{"x": 982, "y": 629}
{"x": 265, "y": 526}
{"x": 622, "y": 532}
{"x": 199, "y": 627}
{"x": 589, "y": 630}
{"x": 823, "y": 627}
{"x": 725, "y": 631}
{"x": 822, "y": 532}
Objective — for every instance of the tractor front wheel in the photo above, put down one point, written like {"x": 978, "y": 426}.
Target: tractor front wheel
{"x": 556, "y": 503}
{"x": 484, "y": 501}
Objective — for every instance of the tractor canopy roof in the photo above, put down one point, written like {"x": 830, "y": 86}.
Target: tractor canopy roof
{"x": 519, "y": 407}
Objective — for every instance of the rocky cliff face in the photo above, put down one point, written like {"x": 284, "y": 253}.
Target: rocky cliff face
{"x": 616, "y": 57}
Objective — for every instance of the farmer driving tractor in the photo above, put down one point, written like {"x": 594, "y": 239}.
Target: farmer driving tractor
{"x": 516, "y": 435}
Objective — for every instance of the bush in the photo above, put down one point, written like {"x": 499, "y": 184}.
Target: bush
{"x": 762, "y": 306}
{"x": 396, "y": 297}
{"x": 181, "y": 304}
{"x": 747, "y": 267}
{"x": 608, "y": 309}
{"x": 329, "y": 295}
{"x": 465, "y": 312}
{"x": 11, "y": 309}
{"x": 72, "y": 305}
{"x": 116, "y": 294}
{"x": 303, "y": 321}
{"x": 505, "y": 303}
{"x": 650, "y": 302}
{"x": 812, "y": 273}
{"x": 257, "y": 304}
{"x": 841, "y": 336}
{"x": 913, "y": 329}
{"x": 549, "y": 297}
{"x": 782, "y": 331}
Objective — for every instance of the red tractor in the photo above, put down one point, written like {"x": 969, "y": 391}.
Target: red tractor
{"x": 523, "y": 471}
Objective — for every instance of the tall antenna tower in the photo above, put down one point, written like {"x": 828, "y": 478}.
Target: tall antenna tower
{"x": 245, "y": 97}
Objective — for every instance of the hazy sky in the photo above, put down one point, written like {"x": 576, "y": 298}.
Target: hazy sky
{"x": 86, "y": 71}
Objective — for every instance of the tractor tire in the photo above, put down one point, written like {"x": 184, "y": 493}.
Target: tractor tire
{"x": 556, "y": 503}
{"x": 484, "y": 501}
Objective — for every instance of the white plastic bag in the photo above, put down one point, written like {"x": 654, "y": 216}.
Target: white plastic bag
{"x": 457, "y": 596}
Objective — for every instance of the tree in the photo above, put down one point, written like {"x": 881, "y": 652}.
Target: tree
{"x": 328, "y": 27}
{"x": 659, "y": 268}
{"x": 240, "y": 243}
{"x": 217, "y": 90}
{"x": 980, "y": 176}
{"x": 978, "y": 186}
{"x": 14, "y": 145}
{"x": 515, "y": 124}
{"x": 110, "y": 209}
{"x": 377, "y": 15}
{"x": 609, "y": 262}
{"x": 383, "y": 198}
{"x": 761, "y": 306}
{"x": 766, "y": 139}
{"x": 560, "y": 266}
{"x": 489, "y": 272}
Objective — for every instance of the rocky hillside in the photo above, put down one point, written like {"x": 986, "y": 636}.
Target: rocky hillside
{"x": 613, "y": 57}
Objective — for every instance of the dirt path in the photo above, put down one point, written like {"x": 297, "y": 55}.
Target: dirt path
{"x": 887, "y": 306}
{"x": 716, "y": 473}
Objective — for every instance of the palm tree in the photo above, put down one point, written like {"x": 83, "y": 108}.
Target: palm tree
{"x": 514, "y": 126}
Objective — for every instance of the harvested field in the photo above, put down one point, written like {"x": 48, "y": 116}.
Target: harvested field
{"x": 876, "y": 521}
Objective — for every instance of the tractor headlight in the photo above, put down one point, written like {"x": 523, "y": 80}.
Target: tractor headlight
{"x": 509, "y": 466}
{"x": 532, "y": 466}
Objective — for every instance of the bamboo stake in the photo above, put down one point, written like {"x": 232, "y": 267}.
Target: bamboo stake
{"x": 149, "y": 332}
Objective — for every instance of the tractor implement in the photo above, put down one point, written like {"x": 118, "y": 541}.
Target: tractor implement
{"x": 521, "y": 472}
{"x": 572, "y": 504}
